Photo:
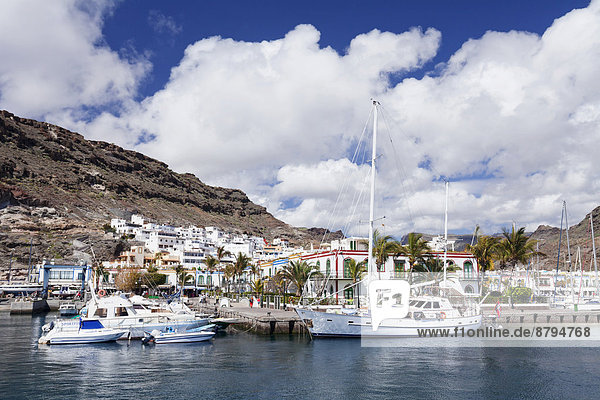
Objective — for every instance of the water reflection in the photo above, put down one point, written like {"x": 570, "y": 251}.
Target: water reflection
{"x": 247, "y": 366}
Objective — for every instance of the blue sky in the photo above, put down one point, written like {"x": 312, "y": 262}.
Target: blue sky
{"x": 272, "y": 97}
{"x": 131, "y": 24}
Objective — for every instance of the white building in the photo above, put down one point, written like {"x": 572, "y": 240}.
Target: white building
{"x": 165, "y": 241}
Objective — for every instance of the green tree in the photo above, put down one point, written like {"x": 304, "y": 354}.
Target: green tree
{"x": 101, "y": 275}
{"x": 415, "y": 249}
{"x": 212, "y": 264}
{"x": 257, "y": 286}
{"x": 182, "y": 276}
{"x": 242, "y": 262}
{"x": 516, "y": 248}
{"x": 154, "y": 279}
{"x": 432, "y": 269}
{"x": 255, "y": 270}
{"x": 485, "y": 251}
{"x": 356, "y": 271}
{"x": 383, "y": 247}
{"x": 221, "y": 254}
{"x": 128, "y": 279}
{"x": 299, "y": 272}
{"x": 229, "y": 275}
{"x": 278, "y": 283}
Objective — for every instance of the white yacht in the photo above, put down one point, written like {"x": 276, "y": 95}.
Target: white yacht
{"x": 391, "y": 312}
{"x": 118, "y": 312}
{"x": 78, "y": 331}
{"x": 388, "y": 317}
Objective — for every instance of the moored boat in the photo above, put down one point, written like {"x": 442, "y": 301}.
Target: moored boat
{"x": 78, "y": 331}
{"x": 118, "y": 312}
{"x": 67, "y": 310}
{"x": 200, "y": 334}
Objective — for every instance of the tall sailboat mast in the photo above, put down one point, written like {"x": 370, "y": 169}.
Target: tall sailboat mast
{"x": 562, "y": 215}
{"x": 446, "y": 231}
{"x": 594, "y": 252}
{"x": 370, "y": 269}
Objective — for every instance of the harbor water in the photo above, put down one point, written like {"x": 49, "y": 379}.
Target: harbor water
{"x": 246, "y": 366}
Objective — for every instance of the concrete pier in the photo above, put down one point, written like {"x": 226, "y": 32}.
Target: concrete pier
{"x": 29, "y": 306}
{"x": 264, "y": 321}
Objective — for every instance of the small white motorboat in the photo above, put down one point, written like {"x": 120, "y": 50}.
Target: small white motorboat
{"x": 200, "y": 334}
{"x": 68, "y": 310}
{"x": 78, "y": 331}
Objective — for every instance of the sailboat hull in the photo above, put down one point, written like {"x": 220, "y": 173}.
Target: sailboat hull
{"x": 323, "y": 324}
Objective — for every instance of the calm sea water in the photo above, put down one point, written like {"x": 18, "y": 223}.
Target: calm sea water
{"x": 244, "y": 366}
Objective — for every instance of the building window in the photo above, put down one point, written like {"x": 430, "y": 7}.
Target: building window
{"x": 347, "y": 273}
{"x": 318, "y": 265}
{"x": 200, "y": 280}
{"x": 349, "y": 293}
{"x": 209, "y": 280}
{"x": 468, "y": 269}
{"x": 328, "y": 267}
{"x": 469, "y": 289}
{"x": 63, "y": 275}
{"x": 399, "y": 268}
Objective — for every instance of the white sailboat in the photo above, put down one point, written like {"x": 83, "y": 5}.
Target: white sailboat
{"x": 391, "y": 312}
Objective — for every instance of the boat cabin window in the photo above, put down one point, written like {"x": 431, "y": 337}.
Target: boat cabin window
{"x": 419, "y": 304}
{"x": 100, "y": 312}
{"x": 412, "y": 303}
{"x": 120, "y": 311}
{"x": 138, "y": 307}
{"x": 427, "y": 305}
{"x": 436, "y": 304}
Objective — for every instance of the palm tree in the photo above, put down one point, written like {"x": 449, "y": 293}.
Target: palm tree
{"x": 242, "y": 261}
{"x": 516, "y": 247}
{"x": 432, "y": 268}
{"x": 278, "y": 283}
{"x": 211, "y": 266}
{"x": 255, "y": 270}
{"x": 229, "y": 274}
{"x": 383, "y": 247}
{"x": 298, "y": 272}
{"x": 257, "y": 286}
{"x": 356, "y": 270}
{"x": 221, "y": 254}
{"x": 182, "y": 276}
{"x": 101, "y": 275}
{"x": 485, "y": 251}
{"x": 415, "y": 249}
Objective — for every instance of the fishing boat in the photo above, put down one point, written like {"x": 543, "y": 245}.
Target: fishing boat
{"x": 200, "y": 334}
{"x": 78, "y": 331}
{"x": 390, "y": 311}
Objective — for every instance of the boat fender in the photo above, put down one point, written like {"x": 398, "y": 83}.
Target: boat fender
{"x": 442, "y": 315}
{"x": 101, "y": 292}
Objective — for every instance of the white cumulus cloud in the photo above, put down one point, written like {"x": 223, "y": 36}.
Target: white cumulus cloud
{"x": 512, "y": 118}
{"x": 54, "y": 59}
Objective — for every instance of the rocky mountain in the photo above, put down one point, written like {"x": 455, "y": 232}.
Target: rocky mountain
{"x": 580, "y": 236}
{"x": 58, "y": 189}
